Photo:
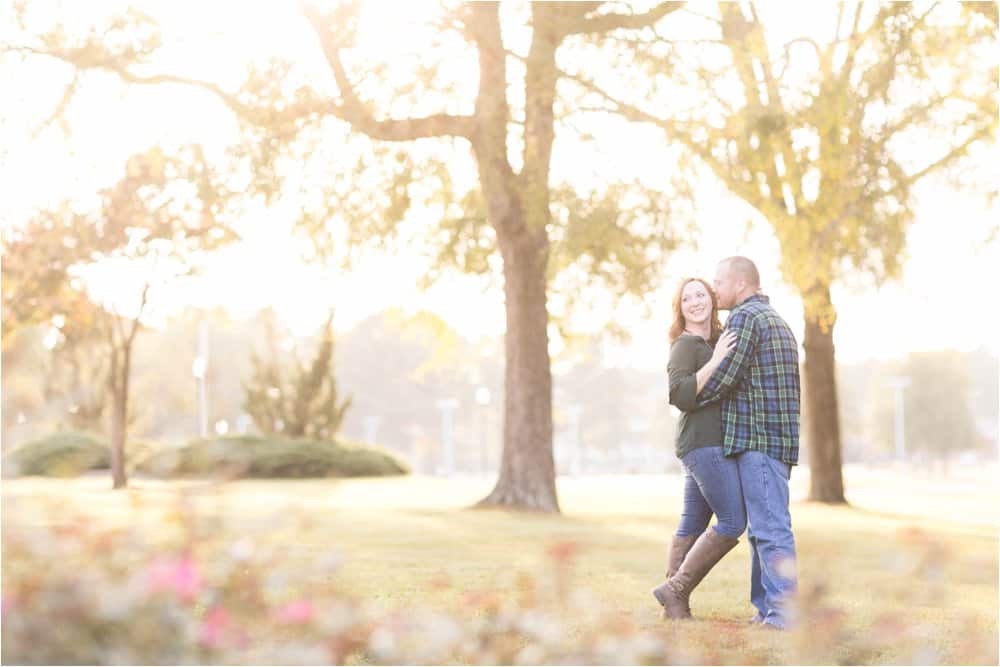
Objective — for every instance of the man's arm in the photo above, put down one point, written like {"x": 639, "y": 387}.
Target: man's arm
{"x": 734, "y": 367}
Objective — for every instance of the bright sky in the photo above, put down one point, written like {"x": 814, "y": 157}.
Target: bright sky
{"x": 943, "y": 301}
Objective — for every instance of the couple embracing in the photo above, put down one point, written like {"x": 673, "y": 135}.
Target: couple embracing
{"x": 738, "y": 437}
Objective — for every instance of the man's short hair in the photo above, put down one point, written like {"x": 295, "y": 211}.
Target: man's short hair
{"x": 745, "y": 268}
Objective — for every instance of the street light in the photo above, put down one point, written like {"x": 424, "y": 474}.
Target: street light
{"x": 371, "y": 429}
{"x": 199, "y": 369}
{"x": 574, "y": 412}
{"x": 447, "y": 407}
{"x": 483, "y": 399}
{"x": 899, "y": 383}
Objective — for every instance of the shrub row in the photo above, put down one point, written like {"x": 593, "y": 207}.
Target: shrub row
{"x": 70, "y": 454}
{"x": 65, "y": 454}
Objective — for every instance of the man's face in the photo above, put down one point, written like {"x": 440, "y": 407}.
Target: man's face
{"x": 726, "y": 286}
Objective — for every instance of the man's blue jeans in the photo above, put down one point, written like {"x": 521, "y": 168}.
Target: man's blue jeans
{"x": 711, "y": 486}
{"x": 773, "y": 576}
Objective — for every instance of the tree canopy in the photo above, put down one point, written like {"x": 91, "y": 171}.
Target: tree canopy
{"x": 826, "y": 140}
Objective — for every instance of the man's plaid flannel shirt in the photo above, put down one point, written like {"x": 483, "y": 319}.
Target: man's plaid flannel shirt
{"x": 758, "y": 383}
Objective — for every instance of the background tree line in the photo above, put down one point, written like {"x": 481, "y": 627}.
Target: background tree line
{"x": 396, "y": 367}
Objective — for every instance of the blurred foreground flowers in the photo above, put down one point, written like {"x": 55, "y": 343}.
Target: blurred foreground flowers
{"x": 187, "y": 591}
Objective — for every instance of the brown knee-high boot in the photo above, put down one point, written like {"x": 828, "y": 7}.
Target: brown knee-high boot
{"x": 679, "y": 548}
{"x": 680, "y": 545}
{"x": 674, "y": 593}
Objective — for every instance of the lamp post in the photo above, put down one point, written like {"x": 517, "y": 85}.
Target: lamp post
{"x": 574, "y": 412}
{"x": 371, "y": 429}
{"x": 483, "y": 399}
{"x": 199, "y": 369}
{"x": 447, "y": 407}
{"x": 899, "y": 383}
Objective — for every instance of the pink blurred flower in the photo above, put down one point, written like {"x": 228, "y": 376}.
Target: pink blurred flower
{"x": 214, "y": 626}
{"x": 179, "y": 575}
{"x": 563, "y": 552}
{"x": 298, "y": 611}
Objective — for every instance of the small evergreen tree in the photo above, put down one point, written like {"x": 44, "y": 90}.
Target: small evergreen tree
{"x": 306, "y": 404}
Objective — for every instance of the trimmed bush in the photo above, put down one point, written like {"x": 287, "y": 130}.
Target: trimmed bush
{"x": 70, "y": 453}
{"x": 65, "y": 454}
{"x": 272, "y": 457}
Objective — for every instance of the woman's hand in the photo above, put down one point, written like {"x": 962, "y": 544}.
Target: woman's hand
{"x": 726, "y": 342}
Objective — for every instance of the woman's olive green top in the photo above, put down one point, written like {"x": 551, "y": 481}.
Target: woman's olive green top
{"x": 701, "y": 427}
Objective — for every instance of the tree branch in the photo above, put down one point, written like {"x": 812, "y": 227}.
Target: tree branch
{"x": 944, "y": 160}
{"x": 636, "y": 114}
{"x": 804, "y": 40}
{"x": 706, "y": 17}
{"x": 60, "y": 108}
{"x": 851, "y": 208}
{"x": 353, "y": 111}
{"x": 604, "y": 23}
{"x": 130, "y": 77}
{"x": 726, "y": 172}
{"x": 747, "y": 44}
{"x": 854, "y": 42}
{"x": 912, "y": 115}
{"x": 143, "y": 299}
{"x": 840, "y": 21}
{"x": 489, "y": 142}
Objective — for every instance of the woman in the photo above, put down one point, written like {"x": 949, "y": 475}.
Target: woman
{"x": 711, "y": 481}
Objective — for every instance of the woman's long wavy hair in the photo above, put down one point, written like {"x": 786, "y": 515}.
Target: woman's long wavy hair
{"x": 678, "y": 325}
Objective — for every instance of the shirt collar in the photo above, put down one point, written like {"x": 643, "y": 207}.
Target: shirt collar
{"x": 762, "y": 298}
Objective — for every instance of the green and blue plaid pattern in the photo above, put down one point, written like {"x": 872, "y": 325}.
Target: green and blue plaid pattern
{"x": 758, "y": 383}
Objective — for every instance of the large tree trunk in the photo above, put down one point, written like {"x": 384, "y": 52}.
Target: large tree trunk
{"x": 826, "y": 481}
{"x": 518, "y": 209}
{"x": 527, "y": 468}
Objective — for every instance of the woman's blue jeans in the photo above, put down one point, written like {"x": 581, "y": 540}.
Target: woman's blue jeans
{"x": 712, "y": 486}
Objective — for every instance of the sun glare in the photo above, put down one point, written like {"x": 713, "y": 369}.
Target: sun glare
{"x": 216, "y": 40}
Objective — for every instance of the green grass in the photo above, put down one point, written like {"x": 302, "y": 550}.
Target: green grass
{"x": 913, "y": 556}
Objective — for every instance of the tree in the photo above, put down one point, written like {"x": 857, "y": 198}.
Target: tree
{"x": 78, "y": 356}
{"x": 158, "y": 218}
{"x": 401, "y": 366}
{"x": 820, "y": 139}
{"x": 23, "y": 354}
{"x": 937, "y": 405}
{"x": 307, "y": 404}
{"x": 509, "y": 213}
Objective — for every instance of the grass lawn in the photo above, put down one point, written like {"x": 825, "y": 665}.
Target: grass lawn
{"x": 912, "y": 562}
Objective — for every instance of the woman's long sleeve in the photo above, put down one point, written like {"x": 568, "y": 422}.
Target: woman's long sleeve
{"x": 680, "y": 370}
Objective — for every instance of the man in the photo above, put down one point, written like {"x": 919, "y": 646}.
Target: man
{"x": 758, "y": 383}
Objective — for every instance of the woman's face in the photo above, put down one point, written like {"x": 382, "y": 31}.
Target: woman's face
{"x": 696, "y": 303}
